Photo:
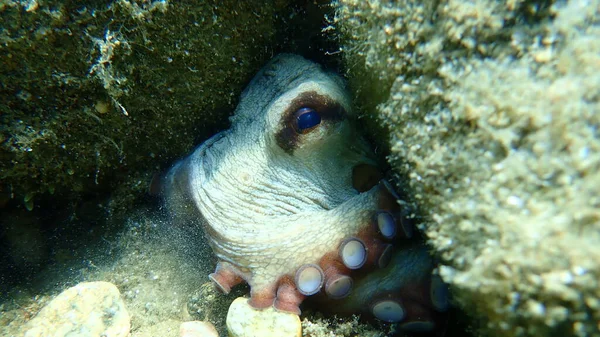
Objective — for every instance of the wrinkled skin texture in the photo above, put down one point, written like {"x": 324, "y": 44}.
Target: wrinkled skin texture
{"x": 294, "y": 204}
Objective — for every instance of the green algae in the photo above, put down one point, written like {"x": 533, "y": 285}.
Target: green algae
{"x": 491, "y": 108}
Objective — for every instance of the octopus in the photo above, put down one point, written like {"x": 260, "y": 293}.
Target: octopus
{"x": 292, "y": 201}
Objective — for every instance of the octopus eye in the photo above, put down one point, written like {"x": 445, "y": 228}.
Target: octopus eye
{"x": 306, "y": 119}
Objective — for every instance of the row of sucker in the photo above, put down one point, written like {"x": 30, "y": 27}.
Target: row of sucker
{"x": 372, "y": 247}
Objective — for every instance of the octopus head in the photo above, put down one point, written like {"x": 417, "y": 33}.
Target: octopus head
{"x": 297, "y": 122}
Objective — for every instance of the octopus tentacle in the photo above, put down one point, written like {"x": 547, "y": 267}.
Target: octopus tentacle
{"x": 416, "y": 303}
{"x": 405, "y": 223}
{"x": 439, "y": 294}
{"x": 422, "y": 303}
{"x": 353, "y": 253}
{"x": 391, "y": 220}
{"x": 388, "y": 310}
{"x": 309, "y": 279}
{"x": 385, "y": 224}
{"x": 288, "y": 297}
{"x": 338, "y": 286}
{"x": 263, "y": 298}
{"x": 418, "y": 319}
{"x": 381, "y": 254}
{"x": 225, "y": 277}
{"x": 338, "y": 283}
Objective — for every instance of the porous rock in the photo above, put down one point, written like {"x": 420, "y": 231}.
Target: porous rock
{"x": 491, "y": 108}
{"x": 87, "y": 309}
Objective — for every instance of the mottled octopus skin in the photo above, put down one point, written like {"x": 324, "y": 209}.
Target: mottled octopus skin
{"x": 271, "y": 198}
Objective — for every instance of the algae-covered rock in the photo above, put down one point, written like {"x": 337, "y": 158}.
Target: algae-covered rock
{"x": 95, "y": 92}
{"x": 492, "y": 110}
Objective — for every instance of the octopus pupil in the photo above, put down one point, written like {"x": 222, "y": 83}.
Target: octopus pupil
{"x": 307, "y": 118}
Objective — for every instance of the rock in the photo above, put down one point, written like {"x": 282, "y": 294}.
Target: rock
{"x": 197, "y": 329}
{"x": 523, "y": 255}
{"x": 34, "y": 142}
{"x": 245, "y": 321}
{"x": 87, "y": 309}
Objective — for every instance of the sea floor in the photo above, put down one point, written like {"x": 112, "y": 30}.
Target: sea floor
{"x": 161, "y": 272}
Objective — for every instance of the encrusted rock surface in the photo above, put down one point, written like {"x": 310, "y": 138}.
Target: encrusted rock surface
{"x": 492, "y": 112}
{"x": 93, "y": 92}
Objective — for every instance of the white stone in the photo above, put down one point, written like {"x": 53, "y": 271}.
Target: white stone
{"x": 87, "y": 309}
{"x": 197, "y": 329}
{"x": 245, "y": 321}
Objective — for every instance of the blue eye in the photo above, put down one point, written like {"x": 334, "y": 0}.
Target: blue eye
{"x": 306, "y": 119}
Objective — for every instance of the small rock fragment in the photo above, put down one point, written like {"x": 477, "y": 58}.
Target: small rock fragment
{"x": 87, "y": 309}
{"x": 197, "y": 329}
{"x": 245, "y": 321}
